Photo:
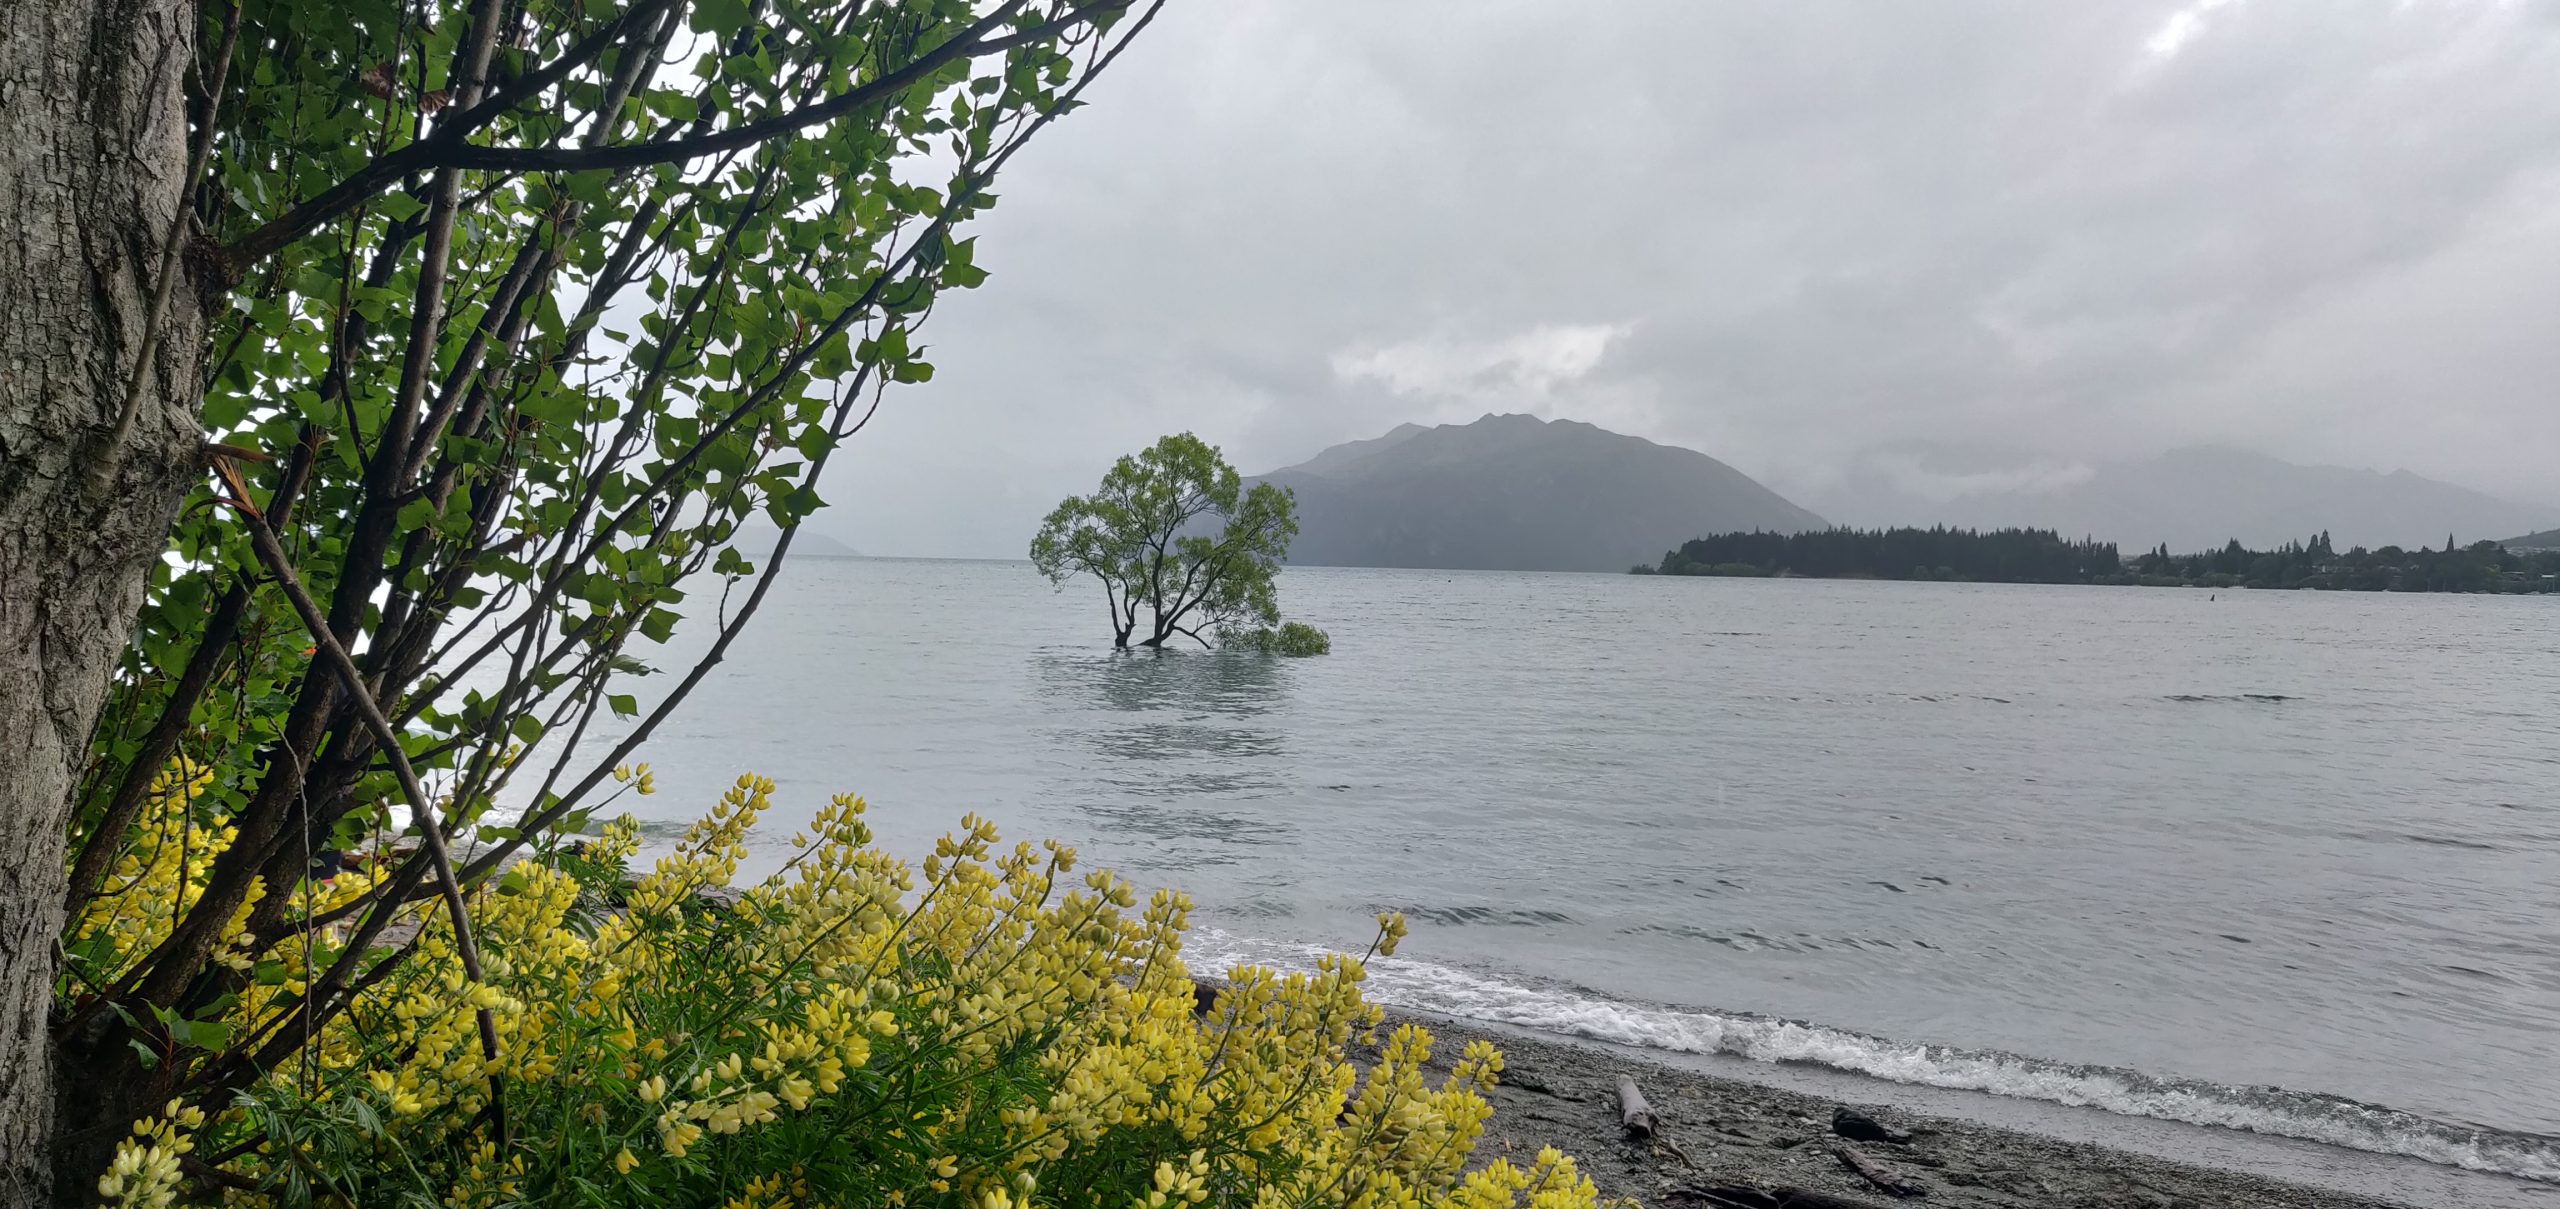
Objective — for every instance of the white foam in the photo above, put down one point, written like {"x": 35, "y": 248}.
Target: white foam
{"x": 2308, "y": 1116}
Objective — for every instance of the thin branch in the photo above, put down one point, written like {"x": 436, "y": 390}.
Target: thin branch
{"x": 969, "y": 43}
{"x": 426, "y": 314}
{"x": 456, "y": 125}
{"x": 430, "y": 831}
{"x": 548, "y": 253}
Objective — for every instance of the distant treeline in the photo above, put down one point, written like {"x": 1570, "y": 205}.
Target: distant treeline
{"x": 2046, "y": 557}
{"x": 2009, "y": 556}
{"x": 2483, "y": 566}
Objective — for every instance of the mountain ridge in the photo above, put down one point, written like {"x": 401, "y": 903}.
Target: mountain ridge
{"x": 757, "y": 537}
{"x": 1516, "y": 493}
{"x": 2193, "y": 497}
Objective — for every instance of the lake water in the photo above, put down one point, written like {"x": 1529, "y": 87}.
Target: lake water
{"x": 2278, "y": 861}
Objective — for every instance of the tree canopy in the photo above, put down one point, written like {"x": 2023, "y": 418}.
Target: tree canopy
{"x": 1998, "y": 556}
{"x": 1174, "y": 532}
{"x": 510, "y": 315}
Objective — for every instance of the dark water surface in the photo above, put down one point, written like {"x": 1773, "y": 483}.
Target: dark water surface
{"x": 2279, "y": 861}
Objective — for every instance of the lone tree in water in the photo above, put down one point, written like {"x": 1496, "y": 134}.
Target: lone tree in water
{"x": 1173, "y": 531}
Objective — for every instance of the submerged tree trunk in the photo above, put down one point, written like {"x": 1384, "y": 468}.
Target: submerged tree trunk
{"x": 93, "y": 161}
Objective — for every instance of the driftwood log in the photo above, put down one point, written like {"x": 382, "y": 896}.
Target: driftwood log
{"x": 1875, "y": 1173}
{"x": 1634, "y": 1115}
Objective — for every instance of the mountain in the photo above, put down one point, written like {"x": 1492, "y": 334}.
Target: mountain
{"x": 757, "y": 536}
{"x": 2548, "y": 539}
{"x": 2194, "y": 499}
{"x": 812, "y": 544}
{"x": 1516, "y": 493}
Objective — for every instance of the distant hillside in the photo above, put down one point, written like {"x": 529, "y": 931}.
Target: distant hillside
{"x": 756, "y": 538}
{"x": 1516, "y": 493}
{"x": 2193, "y": 499}
{"x": 818, "y": 545}
{"x": 2548, "y": 539}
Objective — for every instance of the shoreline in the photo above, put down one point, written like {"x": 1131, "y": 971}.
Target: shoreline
{"x": 1728, "y": 1136}
{"x": 2196, "y": 585}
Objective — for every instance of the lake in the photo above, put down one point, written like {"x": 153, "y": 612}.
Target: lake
{"x": 2287, "y": 862}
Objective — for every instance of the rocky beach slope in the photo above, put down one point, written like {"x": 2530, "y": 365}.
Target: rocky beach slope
{"x": 1724, "y": 1144}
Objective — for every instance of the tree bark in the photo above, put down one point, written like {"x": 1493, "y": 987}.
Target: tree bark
{"x": 93, "y": 162}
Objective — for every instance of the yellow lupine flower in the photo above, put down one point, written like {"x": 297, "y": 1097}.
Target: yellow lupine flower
{"x": 678, "y": 1137}
{"x": 995, "y": 1011}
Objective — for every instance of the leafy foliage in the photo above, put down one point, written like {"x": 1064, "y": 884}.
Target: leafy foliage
{"x": 1998, "y": 556}
{"x": 519, "y": 311}
{"x": 989, "y": 1029}
{"x": 1289, "y": 638}
{"x": 1173, "y": 530}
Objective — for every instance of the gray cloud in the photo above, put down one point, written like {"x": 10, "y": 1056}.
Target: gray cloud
{"x": 1780, "y": 233}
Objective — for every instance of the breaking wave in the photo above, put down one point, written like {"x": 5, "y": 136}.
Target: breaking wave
{"x": 2309, "y": 1116}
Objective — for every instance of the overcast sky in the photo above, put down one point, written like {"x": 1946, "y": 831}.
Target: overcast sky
{"x": 1777, "y": 231}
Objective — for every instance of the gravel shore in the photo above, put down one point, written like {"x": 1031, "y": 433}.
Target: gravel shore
{"x": 1723, "y": 1143}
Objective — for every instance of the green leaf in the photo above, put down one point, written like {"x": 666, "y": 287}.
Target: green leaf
{"x": 660, "y": 624}
{"x": 674, "y": 106}
{"x": 222, "y": 410}
{"x": 624, "y": 705}
{"x": 417, "y": 514}
{"x": 200, "y": 1034}
{"x": 399, "y": 206}
{"x": 719, "y": 16}
{"x": 903, "y": 296}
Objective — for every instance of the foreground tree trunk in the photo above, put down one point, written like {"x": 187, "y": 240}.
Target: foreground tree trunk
{"x": 93, "y": 161}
